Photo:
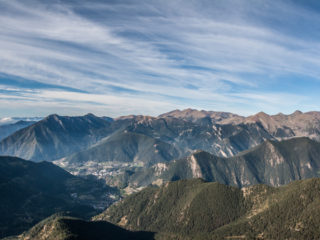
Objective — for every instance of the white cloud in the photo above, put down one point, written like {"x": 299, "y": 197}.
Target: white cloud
{"x": 157, "y": 49}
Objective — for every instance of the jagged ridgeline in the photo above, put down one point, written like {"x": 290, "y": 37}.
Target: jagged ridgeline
{"x": 120, "y": 150}
{"x": 272, "y": 162}
{"x": 219, "y": 133}
{"x": 194, "y": 209}
{"x": 137, "y": 151}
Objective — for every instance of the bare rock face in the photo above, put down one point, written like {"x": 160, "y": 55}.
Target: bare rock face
{"x": 297, "y": 124}
{"x": 272, "y": 162}
{"x": 197, "y": 116}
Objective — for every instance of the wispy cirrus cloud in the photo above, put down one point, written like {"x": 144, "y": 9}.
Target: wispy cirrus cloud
{"x": 150, "y": 56}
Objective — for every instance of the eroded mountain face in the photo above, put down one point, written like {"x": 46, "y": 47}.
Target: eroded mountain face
{"x": 272, "y": 162}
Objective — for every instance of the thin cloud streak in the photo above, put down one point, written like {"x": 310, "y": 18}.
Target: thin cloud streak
{"x": 156, "y": 52}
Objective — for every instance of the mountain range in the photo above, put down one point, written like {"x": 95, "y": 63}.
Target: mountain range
{"x": 222, "y": 134}
{"x": 273, "y": 162}
{"x": 248, "y": 168}
{"x": 134, "y": 150}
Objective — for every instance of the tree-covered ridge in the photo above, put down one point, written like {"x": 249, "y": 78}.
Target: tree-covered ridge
{"x": 59, "y": 227}
{"x": 194, "y": 209}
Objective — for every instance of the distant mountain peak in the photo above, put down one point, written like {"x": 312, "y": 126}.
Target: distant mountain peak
{"x": 265, "y": 119}
{"x": 53, "y": 116}
{"x": 202, "y": 116}
{"x": 90, "y": 115}
{"x": 186, "y": 112}
{"x": 138, "y": 118}
{"x": 261, "y": 115}
{"x": 297, "y": 112}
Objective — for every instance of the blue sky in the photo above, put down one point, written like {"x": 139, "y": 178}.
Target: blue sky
{"x": 148, "y": 57}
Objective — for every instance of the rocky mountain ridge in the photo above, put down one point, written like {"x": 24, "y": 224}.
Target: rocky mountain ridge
{"x": 272, "y": 162}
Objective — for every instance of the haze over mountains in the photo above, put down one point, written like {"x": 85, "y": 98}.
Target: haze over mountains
{"x": 54, "y": 137}
{"x": 12, "y": 120}
{"x": 8, "y": 129}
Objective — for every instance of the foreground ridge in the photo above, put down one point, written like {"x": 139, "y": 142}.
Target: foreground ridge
{"x": 194, "y": 209}
{"x": 59, "y": 227}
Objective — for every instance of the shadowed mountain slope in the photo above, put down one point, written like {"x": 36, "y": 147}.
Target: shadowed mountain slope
{"x": 67, "y": 228}
{"x": 32, "y": 191}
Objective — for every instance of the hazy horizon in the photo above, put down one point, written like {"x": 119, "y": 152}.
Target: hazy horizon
{"x": 9, "y": 119}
